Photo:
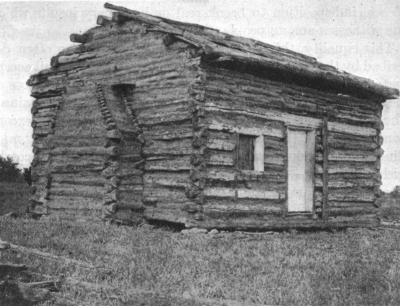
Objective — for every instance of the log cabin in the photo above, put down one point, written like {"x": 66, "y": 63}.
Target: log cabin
{"x": 147, "y": 118}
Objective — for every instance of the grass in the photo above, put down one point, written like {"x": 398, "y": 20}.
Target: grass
{"x": 352, "y": 267}
{"x": 355, "y": 267}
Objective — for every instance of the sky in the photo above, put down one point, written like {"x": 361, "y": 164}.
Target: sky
{"x": 360, "y": 37}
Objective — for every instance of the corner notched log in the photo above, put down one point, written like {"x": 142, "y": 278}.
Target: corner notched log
{"x": 103, "y": 20}
{"x": 78, "y": 38}
{"x": 120, "y": 17}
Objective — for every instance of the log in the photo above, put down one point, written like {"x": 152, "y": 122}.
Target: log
{"x": 78, "y": 38}
{"x": 348, "y": 195}
{"x": 295, "y": 120}
{"x": 83, "y": 179}
{"x": 168, "y": 164}
{"x": 219, "y": 174}
{"x": 258, "y": 194}
{"x": 346, "y": 183}
{"x": 379, "y": 140}
{"x": 47, "y": 102}
{"x": 227, "y": 144}
{"x": 351, "y": 211}
{"x": 46, "y": 255}
{"x": 120, "y": 18}
{"x": 110, "y": 151}
{"x": 361, "y": 168}
{"x": 164, "y": 195}
{"x": 128, "y": 173}
{"x": 349, "y": 156}
{"x": 52, "y": 286}
{"x": 169, "y": 133}
{"x": 221, "y": 159}
{"x": 351, "y": 144}
{"x": 379, "y": 152}
{"x": 74, "y": 203}
{"x": 76, "y": 190}
{"x": 176, "y": 180}
{"x": 274, "y": 160}
{"x": 159, "y": 147}
{"x": 220, "y": 192}
{"x": 103, "y": 21}
{"x": 114, "y": 134}
{"x": 243, "y": 208}
{"x": 232, "y": 127}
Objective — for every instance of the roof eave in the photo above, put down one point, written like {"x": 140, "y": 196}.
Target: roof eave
{"x": 212, "y": 42}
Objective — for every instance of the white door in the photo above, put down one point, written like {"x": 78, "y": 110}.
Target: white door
{"x": 301, "y": 152}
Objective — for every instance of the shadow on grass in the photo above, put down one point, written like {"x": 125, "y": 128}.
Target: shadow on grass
{"x": 364, "y": 277}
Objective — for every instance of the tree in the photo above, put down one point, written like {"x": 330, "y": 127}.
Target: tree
{"x": 27, "y": 173}
{"x": 9, "y": 171}
{"x": 395, "y": 193}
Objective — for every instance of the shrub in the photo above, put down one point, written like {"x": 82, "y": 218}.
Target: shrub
{"x": 9, "y": 171}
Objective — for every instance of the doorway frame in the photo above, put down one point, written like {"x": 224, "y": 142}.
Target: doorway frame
{"x": 312, "y": 166}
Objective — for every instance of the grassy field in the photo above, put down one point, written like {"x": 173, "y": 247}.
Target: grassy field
{"x": 352, "y": 267}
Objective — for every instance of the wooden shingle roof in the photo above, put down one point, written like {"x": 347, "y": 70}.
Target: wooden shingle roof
{"x": 222, "y": 48}
{"x": 225, "y": 47}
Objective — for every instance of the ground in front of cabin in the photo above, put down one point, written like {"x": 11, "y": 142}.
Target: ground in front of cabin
{"x": 351, "y": 267}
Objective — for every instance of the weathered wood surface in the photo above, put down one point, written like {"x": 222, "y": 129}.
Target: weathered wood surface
{"x": 214, "y": 219}
{"x": 83, "y": 178}
{"x": 168, "y": 164}
{"x": 168, "y": 97}
{"x": 76, "y": 190}
{"x": 46, "y": 255}
{"x": 349, "y": 195}
{"x": 110, "y": 151}
{"x": 249, "y": 51}
{"x": 325, "y": 171}
{"x": 74, "y": 203}
{"x": 361, "y": 168}
{"x": 222, "y": 90}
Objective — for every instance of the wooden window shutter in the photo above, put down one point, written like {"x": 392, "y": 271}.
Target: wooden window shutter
{"x": 246, "y": 152}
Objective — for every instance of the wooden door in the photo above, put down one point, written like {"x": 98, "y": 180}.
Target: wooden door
{"x": 301, "y": 153}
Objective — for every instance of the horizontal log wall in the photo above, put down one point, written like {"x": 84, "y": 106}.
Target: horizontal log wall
{"x": 185, "y": 118}
{"x": 249, "y": 105}
{"x": 157, "y": 127}
{"x": 78, "y": 154}
{"x": 45, "y": 112}
{"x": 235, "y": 193}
